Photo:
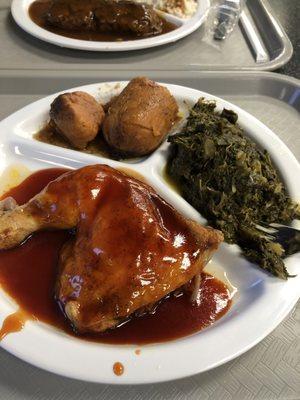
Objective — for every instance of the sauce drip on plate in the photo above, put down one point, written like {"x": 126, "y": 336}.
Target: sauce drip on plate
{"x": 39, "y": 8}
{"x": 118, "y": 368}
{"x": 28, "y": 275}
{"x": 14, "y": 323}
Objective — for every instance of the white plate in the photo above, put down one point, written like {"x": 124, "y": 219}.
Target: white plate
{"x": 260, "y": 305}
{"x": 19, "y": 9}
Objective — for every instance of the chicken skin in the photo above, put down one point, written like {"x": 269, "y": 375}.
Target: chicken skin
{"x": 131, "y": 248}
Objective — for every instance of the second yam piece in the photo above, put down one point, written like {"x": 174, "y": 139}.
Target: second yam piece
{"x": 139, "y": 119}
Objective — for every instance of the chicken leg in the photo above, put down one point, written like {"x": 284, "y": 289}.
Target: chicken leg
{"x": 131, "y": 248}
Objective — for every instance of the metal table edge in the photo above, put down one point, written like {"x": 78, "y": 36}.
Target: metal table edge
{"x": 39, "y": 74}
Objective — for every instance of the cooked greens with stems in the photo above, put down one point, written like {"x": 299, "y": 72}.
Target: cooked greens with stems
{"x": 231, "y": 182}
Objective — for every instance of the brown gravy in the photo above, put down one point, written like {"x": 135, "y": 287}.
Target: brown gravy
{"x": 98, "y": 146}
{"x": 39, "y": 8}
{"x": 28, "y": 274}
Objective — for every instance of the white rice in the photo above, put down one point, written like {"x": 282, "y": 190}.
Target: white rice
{"x": 180, "y": 8}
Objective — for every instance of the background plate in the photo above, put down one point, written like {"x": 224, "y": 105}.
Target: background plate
{"x": 19, "y": 9}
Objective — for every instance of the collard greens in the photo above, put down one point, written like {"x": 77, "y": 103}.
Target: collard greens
{"x": 231, "y": 181}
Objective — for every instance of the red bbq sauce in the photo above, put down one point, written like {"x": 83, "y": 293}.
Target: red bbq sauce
{"x": 28, "y": 274}
{"x": 118, "y": 368}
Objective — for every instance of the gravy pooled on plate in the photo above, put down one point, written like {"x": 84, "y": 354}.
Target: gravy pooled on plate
{"x": 99, "y": 20}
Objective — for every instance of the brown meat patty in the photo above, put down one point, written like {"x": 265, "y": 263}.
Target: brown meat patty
{"x": 105, "y": 16}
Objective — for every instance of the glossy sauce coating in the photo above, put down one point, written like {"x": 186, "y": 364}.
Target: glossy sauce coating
{"x": 39, "y": 9}
{"x": 28, "y": 274}
{"x": 131, "y": 247}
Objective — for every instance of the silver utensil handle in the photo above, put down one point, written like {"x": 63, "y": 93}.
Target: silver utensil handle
{"x": 255, "y": 41}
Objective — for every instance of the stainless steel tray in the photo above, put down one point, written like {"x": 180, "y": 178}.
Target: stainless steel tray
{"x": 269, "y": 371}
{"x": 22, "y": 51}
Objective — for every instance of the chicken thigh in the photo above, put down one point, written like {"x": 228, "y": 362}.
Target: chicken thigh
{"x": 131, "y": 248}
